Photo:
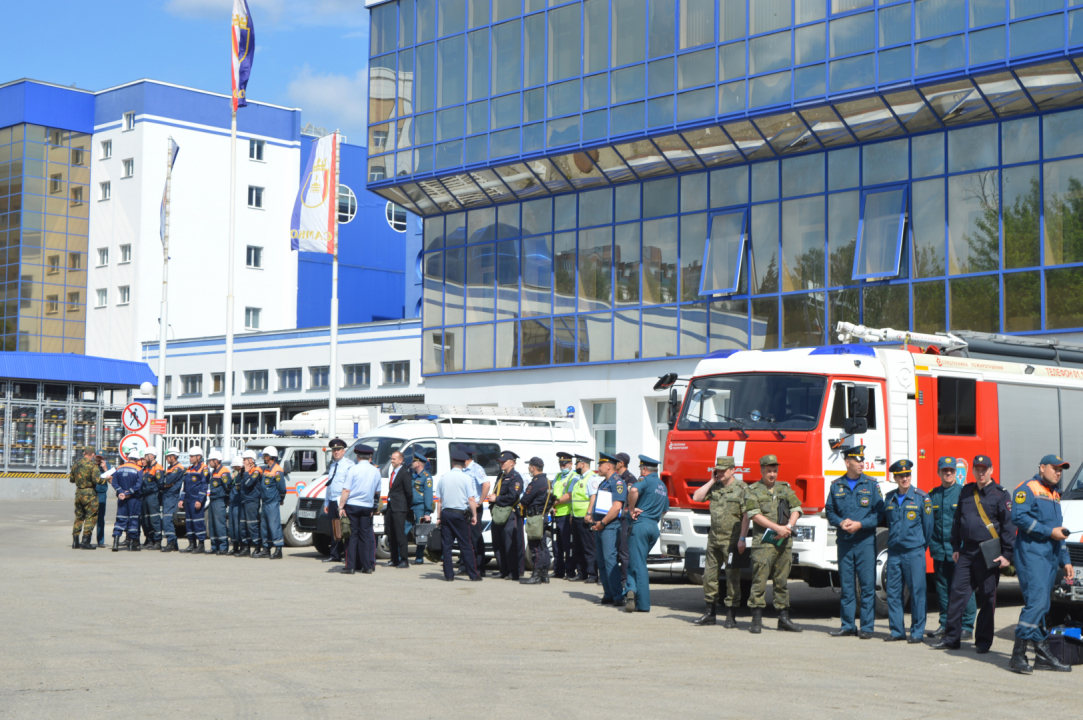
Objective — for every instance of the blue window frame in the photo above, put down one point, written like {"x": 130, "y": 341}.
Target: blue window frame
{"x": 725, "y": 247}
{"x": 880, "y": 233}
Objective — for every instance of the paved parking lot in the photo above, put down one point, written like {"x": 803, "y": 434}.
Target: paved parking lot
{"x": 99, "y": 634}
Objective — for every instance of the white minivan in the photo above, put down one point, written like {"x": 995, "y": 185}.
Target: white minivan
{"x": 436, "y": 430}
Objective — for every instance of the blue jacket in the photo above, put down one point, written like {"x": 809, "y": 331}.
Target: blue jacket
{"x": 127, "y": 478}
{"x": 152, "y": 478}
{"x": 172, "y": 479}
{"x": 250, "y": 485}
{"x": 219, "y": 489}
{"x": 910, "y": 526}
{"x": 422, "y": 489}
{"x": 863, "y": 504}
{"x": 273, "y": 485}
{"x": 945, "y": 500}
{"x": 653, "y": 499}
{"x": 197, "y": 478}
{"x": 1036, "y": 511}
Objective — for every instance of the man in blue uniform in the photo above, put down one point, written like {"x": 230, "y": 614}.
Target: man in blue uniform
{"x": 1039, "y": 550}
{"x": 623, "y": 461}
{"x": 126, "y": 480}
{"x": 272, "y": 495}
{"x": 504, "y": 505}
{"x": 422, "y": 505}
{"x": 536, "y": 504}
{"x": 458, "y": 511}
{"x": 982, "y": 514}
{"x": 945, "y": 498}
{"x": 197, "y": 479}
{"x": 172, "y": 483}
{"x": 359, "y": 499}
{"x": 908, "y": 512}
{"x": 336, "y": 476}
{"x": 250, "y": 494}
{"x": 150, "y": 500}
{"x": 855, "y": 507}
{"x": 648, "y": 501}
{"x": 218, "y": 502}
{"x": 236, "y": 503}
{"x": 605, "y": 509}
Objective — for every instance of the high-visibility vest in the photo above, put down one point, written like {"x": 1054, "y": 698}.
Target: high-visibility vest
{"x": 581, "y": 495}
{"x": 560, "y": 484}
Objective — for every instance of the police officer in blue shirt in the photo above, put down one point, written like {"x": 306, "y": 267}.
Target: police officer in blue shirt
{"x": 855, "y": 508}
{"x": 458, "y": 511}
{"x": 945, "y": 498}
{"x": 422, "y": 505}
{"x": 336, "y": 476}
{"x": 648, "y": 501}
{"x": 908, "y": 513}
{"x": 607, "y": 529}
{"x": 481, "y": 487}
{"x": 360, "y": 495}
{"x": 1039, "y": 551}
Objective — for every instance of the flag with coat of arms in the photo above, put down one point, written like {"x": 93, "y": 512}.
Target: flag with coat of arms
{"x": 314, "y": 224}
{"x": 243, "y": 35}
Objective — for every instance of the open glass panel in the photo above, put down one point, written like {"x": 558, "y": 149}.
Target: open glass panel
{"x": 880, "y": 233}
{"x": 726, "y": 237}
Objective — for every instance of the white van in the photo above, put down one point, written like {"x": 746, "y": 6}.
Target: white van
{"x": 437, "y": 429}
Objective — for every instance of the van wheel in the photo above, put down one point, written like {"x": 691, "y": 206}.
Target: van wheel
{"x": 323, "y": 544}
{"x": 294, "y": 536}
{"x": 383, "y": 551}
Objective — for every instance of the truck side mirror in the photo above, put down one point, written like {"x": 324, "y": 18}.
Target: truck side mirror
{"x": 855, "y": 425}
{"x": 287, "y": 467}
{"x": 674, "y": 407}
{"x": 859, "y": 401}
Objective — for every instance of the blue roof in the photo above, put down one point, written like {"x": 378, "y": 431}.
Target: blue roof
{"x": 57, "y": 367}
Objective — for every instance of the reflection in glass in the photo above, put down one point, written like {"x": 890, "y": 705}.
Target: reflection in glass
{"x": 579, "y": 169}
{"x": 693, "y": 239}
{"x": 843, "y": 169}
{"x": 479, "y": 347}
{"x": 433, "y": 288}
{"x": 694, "y": 192}
{"x": 611, "y": 164}
{"x": 507, "y": 344}
{"x": 627, "y": 84}
{"x": 842, "y": 218}
{"x": 629, "y": 32}
{"x": 536, "y": 342}
{"x": 729, "y": 186}
{"x": 748, "y": 139}
{"x": 507, "y": 279}
{"x": 1022, "y": 302}
{"x": 764, "y": 181}
{"x": 660, "y": 197}
{"x": 644, "y": 158}
{"x": 912, "y": 111}
{"x": 1021, "y": 214}
{"x": 1019, "y": 140}
{"x": 595, "y": 35}
{"x": 660, "y": 261}
{"x": 803, "y": 175}
{"x": 1063, "y": 134}
{"x": 842, "y": 306}
{"x": 544, "y": 171}
{"x": 728, "y": 328}
{"x": 786, "y": 133}
{"x": 928, "y": 229}
{"x": 1063, "y": 302}
{"x": 829, "y": 129}
{"x": 929, "y": 307}
{"x": 697, "y": 68}
{"x": 660, "y": 331}
{"x": 973, "y": 227}
{"x": 480, "y": 277}
{"x": 695, "y": 23}
{"x": 564, "y": 42}
{"x": 627, "y": 203}
{"x": 382, "y": 86}
{"x": 927, "y": 155}
{"x": 680, "y": 156}
{"x": 1063, "y": 206}
{"x": 520, "y": 180}
{"x": 869, "y": 118}
{"x": 564, "y": 266}
{"x": 661, "y": 28}
{"x": 537, "y": 275}
{"x": 450, "y": 76}
{"x": 723, "y": 254}
{"x": 595, "y": 338}
{"x": 563, "y": 340}
{"x": 975, "y": 304}
{"x": 764, "y": 257}
{"x": 626, "y": 264}
{"x": 879, "y": 245}
{"x": 886, "y": 306}
{"x": 885, "y": 162}
{"x": 769, "y": 52}
{"x": 454, "y": 282}
{"x": 765, "y": 323}
{"x": 1004, "y": 93}
{"x": 626, "y": 335}
{"x": 957, "y": 102}
{"x": 972, "y": 148}
{"x": 712, "y": 146}
{"x": 803, "y": 320}
{"x": 853, "y": 34}
{"x": 803, "y": 244}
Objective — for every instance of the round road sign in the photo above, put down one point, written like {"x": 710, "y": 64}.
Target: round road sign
{"x": 135, "y": 417}
{"x": 130, "y": 443}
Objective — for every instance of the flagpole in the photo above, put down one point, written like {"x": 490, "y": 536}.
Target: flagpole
{"x": 227, "y": 413}
{"x": 163, "y": 327}
{"x": 332, "y": 406}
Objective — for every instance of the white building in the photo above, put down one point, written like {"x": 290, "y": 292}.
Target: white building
{"x": 132, "y": 125}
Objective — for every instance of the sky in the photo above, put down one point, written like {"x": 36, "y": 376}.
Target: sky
{"x": 310, "y": 54}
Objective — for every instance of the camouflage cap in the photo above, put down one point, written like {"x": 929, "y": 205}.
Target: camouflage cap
{"x": 768, "y": 460}
{"x": 724, "y": 462}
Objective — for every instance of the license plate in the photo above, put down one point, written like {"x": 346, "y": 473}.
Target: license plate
{"x": 306, "y": 514}
{"x": 703, "y": 561}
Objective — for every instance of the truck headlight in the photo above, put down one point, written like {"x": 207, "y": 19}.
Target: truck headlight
{"x": 671, "y": 526}
{"x": 804, "y": 533}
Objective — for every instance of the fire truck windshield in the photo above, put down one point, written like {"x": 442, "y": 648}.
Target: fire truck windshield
{"x": 759, "y": 401}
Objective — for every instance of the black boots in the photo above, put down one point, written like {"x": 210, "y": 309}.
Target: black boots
{"x": 149, "y": 543}
{"x": 731, "y": 619}
{"x": 133, "y": 543}
{"x": 116, "y": 543}
{"x": 191, "y": 546}
{"x": 709, "y": 617}
{"x": 786, "y": 624}
{"x": 86, "y": 544}
{"x": 236, "y": 549}
{"x": 199, "y": 549}
{"x": 757, "y": 621}
{"x": 261, "y": 553}
{"x": 1044, "y": 659}
{"x": 630, "y": 601}
{"x": 277, "y": 554}
{"x": 1018, "y": 663}
{"x": 170, "y": 546}
{"x": 75, "y": 541}
{"x": 245, "y": 550}
{"x": 537, "y": 577}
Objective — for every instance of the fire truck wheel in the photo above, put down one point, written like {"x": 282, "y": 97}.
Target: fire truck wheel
{"x": 295, "y": 536}
{"x": 323, "y": 544}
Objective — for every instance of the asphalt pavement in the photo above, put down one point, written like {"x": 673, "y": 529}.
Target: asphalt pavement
{"x": 118, "y": 635}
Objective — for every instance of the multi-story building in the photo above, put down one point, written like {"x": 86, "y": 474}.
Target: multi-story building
{"x": 609, "y": 183}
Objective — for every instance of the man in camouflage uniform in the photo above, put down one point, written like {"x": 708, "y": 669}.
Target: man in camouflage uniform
{"x": 86, "y": 475}
{"x": 729, "y": 523}
{"x": 772, "y": 505}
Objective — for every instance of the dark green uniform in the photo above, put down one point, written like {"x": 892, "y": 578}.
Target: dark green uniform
{"x": 86, "y": 476}
{"x": 727, "y": 508}
{"x": 770, "y": 562}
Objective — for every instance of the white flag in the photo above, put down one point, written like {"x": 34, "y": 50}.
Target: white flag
{"x": 174, "y": 148}
{"x": 314, "y": 224}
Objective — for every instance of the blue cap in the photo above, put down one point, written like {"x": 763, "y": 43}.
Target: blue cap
{"x": 1054, "y": 460}
{"x": 363, "y": 449}
{"x": 945, "y": 463}
{"x": 982, "y": 460}
{"x": 584, "y": 458}
{"x": 508, "y": 455}
{"x": 901, "y": 467}
{"x": 854, "y": 452}
{"x": 459, "y": 455}
{"x": 644, "y": 460}
{"x": 606, "y": 457}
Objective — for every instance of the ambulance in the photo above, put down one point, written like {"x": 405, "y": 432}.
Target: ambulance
{"x": 915, "y": 396}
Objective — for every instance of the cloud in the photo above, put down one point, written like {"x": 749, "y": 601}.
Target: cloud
{"x": 335, "y": 13}
{"x": 332, "y": 101}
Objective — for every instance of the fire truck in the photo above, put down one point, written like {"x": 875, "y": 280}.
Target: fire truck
{"x": 901, "y": 395}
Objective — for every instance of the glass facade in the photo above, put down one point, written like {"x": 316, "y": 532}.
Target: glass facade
{"x": 44, "y": 206}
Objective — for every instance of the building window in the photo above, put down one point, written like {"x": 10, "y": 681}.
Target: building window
{"x": 356, "y": 375}
{"x": 129, "y": 167}
{"x": 52, "y": 304}
{"x": 129, "y": 121}
{"x": 289, "y": 379}
{"x": 105, "y": 193}
{"x": 379, "y": 140}
{"x": 255, "y": 196}
{"x": 191, "y": 384}
{"x": 77, "y": 196}
{"x": 77, "y": 156}
{"x": 107, "y": 149}
{"x": 255, "y": 381}
{"x": 53, "y": 264}
{"x": 251, "y": 318}
{"x": 318, "y": 376}
{"x": 125, "y": 293}
{"x": 102, "y": 296}
{"x": 956, "y": 406}
{"x": 254, "y": 257}
{"x": 605, "y": 427}
{"x": 396, "y": 373}
{"x": 376, "y": 173}
{"x": 396, "y": 216}
{"x": 218, "y": 383}
{"x": 103, "y": 257}
{"x": 255, "y": 150}
{"x": 722, "y": 257}
{"x": 73, "y": 301}
{"x": 125, "y": 254}
{"x": 56, "y": 183}
{"x": 880, "y": 234}
{"x": 168, "y": 385}
{"x": 347, "y": 205}
{"x": 75, "y": 261}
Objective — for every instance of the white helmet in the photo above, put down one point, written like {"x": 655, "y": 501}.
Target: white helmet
{"x": 195, "y": 450}
{"x": 237, "y": 462}
{"x": 271, "y": 450}
{"x": 249, "y": 455}
{"x": 135, "y": 454}
{"x": 151, "y": 451}
{"x": 173, "y": 451}
{"x": 215, "y": 455}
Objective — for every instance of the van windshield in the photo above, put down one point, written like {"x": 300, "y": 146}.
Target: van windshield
{"x": 759, "y": 401}
{"x": 383, "y": 447}
{"x": 1074, "y": 489}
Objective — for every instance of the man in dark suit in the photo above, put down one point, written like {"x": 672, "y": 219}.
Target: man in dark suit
{"x": 400, "y": 496}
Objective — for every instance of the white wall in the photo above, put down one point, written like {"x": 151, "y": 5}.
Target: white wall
{"x": 199, "y": 236}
